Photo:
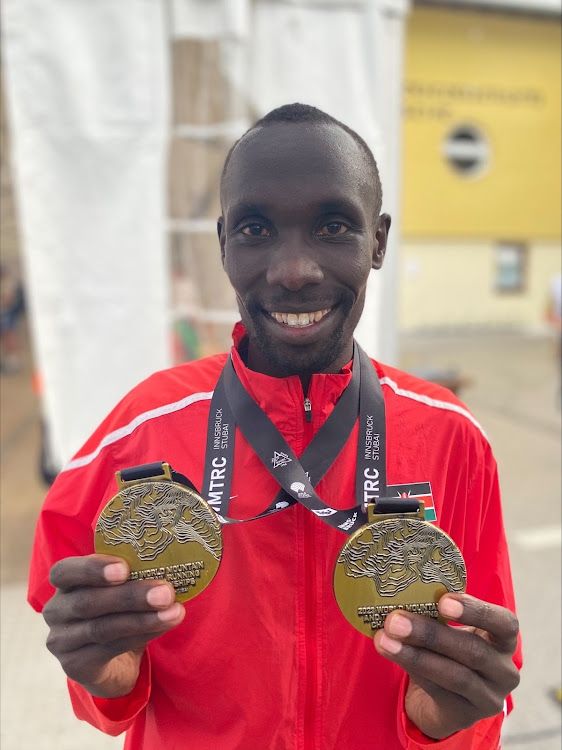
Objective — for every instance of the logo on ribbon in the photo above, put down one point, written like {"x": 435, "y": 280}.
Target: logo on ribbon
{"x": 280, "y": 459}
{"x": 346, "y": 525}
{"x": 299, "y": 488}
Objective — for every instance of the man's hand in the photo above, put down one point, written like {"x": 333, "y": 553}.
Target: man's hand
{"x": 100, "y": 623}
{"x": 457, "y": 675}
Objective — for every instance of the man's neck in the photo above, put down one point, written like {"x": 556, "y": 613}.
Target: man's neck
{"x": 254, "y": 360}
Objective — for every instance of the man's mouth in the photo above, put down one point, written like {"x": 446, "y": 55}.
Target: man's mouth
{"x": 299, "y": 320}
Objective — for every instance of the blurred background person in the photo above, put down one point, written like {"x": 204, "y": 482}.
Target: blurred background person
{"x": 11, "y": 310}
{"x": 554, "y": 313}
{"x": 555, "y": 306}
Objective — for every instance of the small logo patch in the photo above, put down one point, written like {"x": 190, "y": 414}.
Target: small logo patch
{"x": 346, "y": 525}
{"x": 419, "y": 491}
{"x": 299, "y": 488}
{"x": 280, "y": 459}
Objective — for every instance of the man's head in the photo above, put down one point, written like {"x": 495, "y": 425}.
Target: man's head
{"x": 300, "y": 230}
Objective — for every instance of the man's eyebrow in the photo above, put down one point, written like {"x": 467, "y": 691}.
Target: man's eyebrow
{"x": 335, "y": 205}
{"x": 340, "y": 205}
{"x": 239, "y": 210}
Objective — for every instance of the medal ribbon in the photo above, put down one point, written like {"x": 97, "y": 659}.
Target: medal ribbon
{"x": 232, "y": 405}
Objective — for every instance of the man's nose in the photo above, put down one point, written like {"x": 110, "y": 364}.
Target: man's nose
{"x": 293, "y": 267}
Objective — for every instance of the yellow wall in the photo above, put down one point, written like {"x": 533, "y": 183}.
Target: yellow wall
{"x": 498, "y": 72}
{"x": 451, "y": 283}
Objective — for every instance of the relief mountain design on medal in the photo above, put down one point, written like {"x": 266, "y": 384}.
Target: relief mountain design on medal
{"x": 156, "y": 514}
{"x": 402, "y": 552}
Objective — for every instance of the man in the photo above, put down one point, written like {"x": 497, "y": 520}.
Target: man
{"x": 263, "y": 658}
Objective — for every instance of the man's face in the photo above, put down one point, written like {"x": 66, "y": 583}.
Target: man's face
{"x": 299, "y": 235}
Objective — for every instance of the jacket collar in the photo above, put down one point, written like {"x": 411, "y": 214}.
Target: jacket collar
{"x": 282, "y": 399}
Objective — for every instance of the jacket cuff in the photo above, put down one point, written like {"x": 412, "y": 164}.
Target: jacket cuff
{"x": 113, "y": 715}
{"x": 484, "y": 735}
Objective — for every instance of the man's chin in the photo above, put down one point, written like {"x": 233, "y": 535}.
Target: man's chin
{"x": 287, "y": 360}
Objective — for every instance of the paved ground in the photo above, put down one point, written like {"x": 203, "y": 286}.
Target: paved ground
{"x": 513, "y": 394}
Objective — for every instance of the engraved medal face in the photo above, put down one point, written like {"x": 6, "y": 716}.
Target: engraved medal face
{"x": 396, "y": 563}
{"x": 162, "y": 530}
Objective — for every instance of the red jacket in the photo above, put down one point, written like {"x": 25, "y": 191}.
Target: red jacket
{"x": 264, "y": 659}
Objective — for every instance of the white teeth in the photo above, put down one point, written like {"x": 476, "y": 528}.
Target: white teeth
{"x": 301, "y": 320}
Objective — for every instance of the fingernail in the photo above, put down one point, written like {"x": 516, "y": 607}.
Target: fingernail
{"x": 400, "y": 625}
{"x": 389, "y": 644}
{"x": 115, "y": 572}
{"x": 172, "y": 613}
{"x": 159, "y": 596}
{"x": 451, "y": 608}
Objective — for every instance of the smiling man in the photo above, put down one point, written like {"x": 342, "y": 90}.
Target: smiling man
{"x": 263, "y": 657}
{"x": 298, "y": 249}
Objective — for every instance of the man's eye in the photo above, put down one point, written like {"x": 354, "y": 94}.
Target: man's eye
{"x": 255, "y": 230}
{"x": 333, "y": 227}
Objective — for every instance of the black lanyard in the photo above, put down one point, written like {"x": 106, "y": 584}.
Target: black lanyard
{"x": 232, "y": 406}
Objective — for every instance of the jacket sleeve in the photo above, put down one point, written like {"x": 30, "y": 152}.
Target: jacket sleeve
{"x": 489, "y": 579}
{"x": 65, "y": 528}
{"x": 115, "y": 715}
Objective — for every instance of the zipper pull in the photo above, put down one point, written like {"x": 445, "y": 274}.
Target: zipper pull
{"x": 307, "y": 410}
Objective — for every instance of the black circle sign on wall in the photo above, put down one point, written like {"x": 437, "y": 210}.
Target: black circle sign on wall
{"x": 466, "y": 150}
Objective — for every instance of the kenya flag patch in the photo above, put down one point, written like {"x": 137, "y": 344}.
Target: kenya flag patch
{"x": 419, "y": 491}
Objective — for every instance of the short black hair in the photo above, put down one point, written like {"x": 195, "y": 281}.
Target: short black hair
{"x": 299, "y": 113}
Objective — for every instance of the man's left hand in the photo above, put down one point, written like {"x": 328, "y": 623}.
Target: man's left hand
{"x": 458, "y": 675}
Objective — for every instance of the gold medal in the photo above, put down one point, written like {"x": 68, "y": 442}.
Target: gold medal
{"x": 163, "y": 530}
{"x": 395, "y": 561}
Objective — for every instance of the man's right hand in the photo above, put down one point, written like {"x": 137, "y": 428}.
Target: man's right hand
{"x": 100, "y": 623}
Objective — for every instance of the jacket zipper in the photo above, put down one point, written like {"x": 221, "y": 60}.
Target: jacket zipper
{"x": 310, "y": 609}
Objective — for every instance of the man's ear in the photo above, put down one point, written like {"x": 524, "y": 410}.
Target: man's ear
{"x": 381, "y": 238}
{"x": 222, "y": 236}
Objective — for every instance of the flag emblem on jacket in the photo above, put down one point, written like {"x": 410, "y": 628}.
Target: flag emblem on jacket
{"x": 419, "y": 491}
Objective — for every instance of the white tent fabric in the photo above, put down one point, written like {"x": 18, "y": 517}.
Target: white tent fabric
{"x": 87, "y": 91}
{"x": 210, "y": 19}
